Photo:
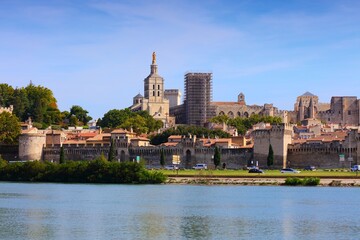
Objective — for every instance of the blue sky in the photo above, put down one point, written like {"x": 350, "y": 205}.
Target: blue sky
{"x": 96, "y": 54}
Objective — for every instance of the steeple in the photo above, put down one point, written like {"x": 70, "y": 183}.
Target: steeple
{"x": 153, "y": 66}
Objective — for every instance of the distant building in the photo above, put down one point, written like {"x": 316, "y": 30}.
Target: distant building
{"x": 198, "y": 95}
{"x": 174, "y": 97}
{"x": 153, "y": 101}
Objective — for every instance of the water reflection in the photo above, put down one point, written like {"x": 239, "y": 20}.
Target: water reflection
{"x": 60, "y": 211}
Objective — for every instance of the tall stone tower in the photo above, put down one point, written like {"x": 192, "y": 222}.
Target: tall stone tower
{"x": 154, "y": 83}
{"x": 198, "y": 95}
{"x": 306, "y": 106}
{"x": 279, "y": 136}
{"x": 154, "y": 101}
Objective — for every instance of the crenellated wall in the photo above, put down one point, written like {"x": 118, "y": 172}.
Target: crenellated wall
{"x": 279, "y": 136}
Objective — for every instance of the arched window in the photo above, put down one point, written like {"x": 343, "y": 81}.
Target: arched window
{"x": 230, "y": 114}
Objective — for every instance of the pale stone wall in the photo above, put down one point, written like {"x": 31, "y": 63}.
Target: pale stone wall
{"x": 279, "y": 136}
{"x": 31, "y": 146}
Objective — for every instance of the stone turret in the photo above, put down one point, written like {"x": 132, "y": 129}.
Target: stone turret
{"x": 279, "y": 136}
{"x": 31, "y": 146}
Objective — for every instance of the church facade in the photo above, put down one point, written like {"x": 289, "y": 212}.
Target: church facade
{"x": 153, "y": 101}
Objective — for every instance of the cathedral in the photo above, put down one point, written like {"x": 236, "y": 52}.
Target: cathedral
{"x": 153, "y": 101}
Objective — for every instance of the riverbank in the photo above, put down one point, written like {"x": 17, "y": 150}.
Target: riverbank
{"x": 263, "y": 181}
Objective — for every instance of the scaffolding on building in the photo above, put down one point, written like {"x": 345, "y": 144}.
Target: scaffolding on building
{"x": 197, "y": 99}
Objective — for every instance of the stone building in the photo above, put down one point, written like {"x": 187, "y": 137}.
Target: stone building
{"x": 240, "y": 109}
{"x": 343, "y": 110}
{"x": 174, "y": 96}
{"x": 198, "y": 95}
{"x": 279, "y": 137}
{"x": 153, "y": 101}
{"x": 7, "y": 109}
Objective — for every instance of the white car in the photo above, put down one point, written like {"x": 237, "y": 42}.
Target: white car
{"x": 289, "y": 170}
{"x": 171, "y": 167}
{"x": 200, "y": 166}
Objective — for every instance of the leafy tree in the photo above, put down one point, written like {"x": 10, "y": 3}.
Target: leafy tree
{"x": 111, "y": 155}
{"x": 270, "y": 157}
{"x": 9, "y": 128}
{"x": 140, "y": 122}
{"x": 243, "y": 124}
{"x": 137, "y": 123}
{"x": 40, "y": 100}
{"x": 157, "y": 139}
{"x": 162, "y": 158}
{"x": 6, "y": 94}
{"x": 220, "y": 119}
{"x": 62, "y": 155}
{"x": 217, "y": 157}
{"x": 80, "y": 114}
{"x": 21, "y": 104}
{"x": 115, "y": 118}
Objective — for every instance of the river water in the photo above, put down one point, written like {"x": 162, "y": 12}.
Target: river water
{"x": 96, "y": 211}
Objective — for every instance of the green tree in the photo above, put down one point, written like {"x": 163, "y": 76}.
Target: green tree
{"x": 9, "y": 128}
{"x": 111, "y": 155}
{"x": 137, "y": 123}
{"x": 6, "y": 94}
{"x": 162, "y": 158}
{"x": 62, "y": 155}
{"x": 270, "y": 157}
{"x": 115, "y": 118}
{"x": 80, "y": 113}
{"x": 217, "y": 157}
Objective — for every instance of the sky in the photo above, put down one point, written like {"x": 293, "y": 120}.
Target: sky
{"x": 96, "y": 54}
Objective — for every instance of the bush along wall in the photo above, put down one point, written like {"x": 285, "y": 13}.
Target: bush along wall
{"x": 294, "y": 181}
{"x": 97, "y": 171}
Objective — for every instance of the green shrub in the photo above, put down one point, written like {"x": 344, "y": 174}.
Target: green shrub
{"x": 311, "y": 181}
{"x": 96, "y": 171}
{"x": 294, "y": 181}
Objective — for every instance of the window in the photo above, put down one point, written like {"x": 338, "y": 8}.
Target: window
{"x": 154, "y": 86}
{"x": 158, "y": 87}
{"x": 158, "y": 94}
{"x": 349, "y": 112}
{"x": 153, "y": 93}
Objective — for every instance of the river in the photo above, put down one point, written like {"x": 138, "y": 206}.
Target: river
{"x": 99, "y": 211}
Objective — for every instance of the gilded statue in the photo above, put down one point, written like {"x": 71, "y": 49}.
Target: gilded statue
{"x": 153, "y": 58}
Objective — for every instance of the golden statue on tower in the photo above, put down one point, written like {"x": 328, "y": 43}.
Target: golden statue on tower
{"x": 154, "y": 58}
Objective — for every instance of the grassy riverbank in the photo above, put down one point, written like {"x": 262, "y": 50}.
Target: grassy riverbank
{"x": 333, "y": 173}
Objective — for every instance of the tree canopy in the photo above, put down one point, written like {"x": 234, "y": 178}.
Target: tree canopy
{"x": 186, "y": 130}
{"x": 39, "y": 103}
{"x": 243, "y": 124}
{"x": 140, "y": 122}
{"x": 9, "y": 128}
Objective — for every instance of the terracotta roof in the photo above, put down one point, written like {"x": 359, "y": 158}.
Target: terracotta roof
{"x": 175, "y": 137}
{"x": 74, "y": 142}
{"x": 120, "y": 131}
{"x": 169, "y": 144}
{"x": 139, "y": 139}
{"x": 88, "y": 134}
{"x": 99, "y": 137}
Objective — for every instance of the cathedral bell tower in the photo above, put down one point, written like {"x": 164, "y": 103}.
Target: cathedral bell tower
{"x": 154, "y": 83}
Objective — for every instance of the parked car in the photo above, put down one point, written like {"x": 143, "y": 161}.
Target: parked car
{"x": 256, "y": 170}
{"x": 200, "y": 166}
{"x": 355, "y": 168}
{"x": 171, "y": 167}
{"x": 289, "y": 170}
{"x": 310, "y": 168}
